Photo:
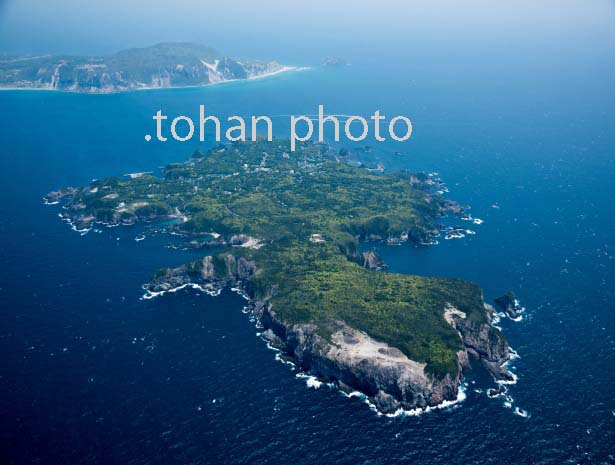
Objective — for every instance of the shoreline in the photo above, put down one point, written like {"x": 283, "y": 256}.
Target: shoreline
{"x": 315, "y": 381}
{"x": 283, "y": 69}
{"x": 214, "y": 289}
{"x": 394, "y": 383}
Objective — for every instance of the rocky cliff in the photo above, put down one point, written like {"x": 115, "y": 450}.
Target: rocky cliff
{"x": 336, "y": 352}
{"x": 356, "y": 361}
{"x": 484, "y": 343}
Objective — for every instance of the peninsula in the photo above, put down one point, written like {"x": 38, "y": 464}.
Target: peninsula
{"x": 286, "y": 229}
{"x": 163, "y": 65}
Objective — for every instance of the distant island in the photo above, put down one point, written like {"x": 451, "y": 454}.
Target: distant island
{"x": 334, "y": 61}
{"x": 285, "y": 230}
{"x": 164, "y": 65}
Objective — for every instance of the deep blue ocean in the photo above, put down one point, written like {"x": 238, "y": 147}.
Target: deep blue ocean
{"x": 91, "y": 373}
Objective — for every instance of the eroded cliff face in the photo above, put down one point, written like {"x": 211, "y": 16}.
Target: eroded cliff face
{"x": 203, "y": 273}
{"x": 159, "y": 66}
{"x": 336, "y": 352}
{"x": 485, "y": 343}
{"x": 356, "y": 361}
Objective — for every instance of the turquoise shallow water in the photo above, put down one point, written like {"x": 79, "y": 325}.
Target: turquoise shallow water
{"x": 93, "y": 374}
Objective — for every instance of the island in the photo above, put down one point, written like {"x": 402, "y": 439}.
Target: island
{"x": 510, "y": 305}
{"x": 163, "y": 65}
{"x": 289, "y": 230}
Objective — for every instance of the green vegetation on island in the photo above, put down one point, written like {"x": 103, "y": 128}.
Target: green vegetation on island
{"x": 290, "y": 227}
{"x": 305, "y": 214}
{"x": 315, "y": 283}
{"x": 158, "y": 66}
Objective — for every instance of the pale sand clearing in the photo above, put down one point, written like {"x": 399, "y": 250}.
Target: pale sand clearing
{"x": 252, "y": 243}
{"x": 355, "y": 346}
{"x": 450, "y": 312}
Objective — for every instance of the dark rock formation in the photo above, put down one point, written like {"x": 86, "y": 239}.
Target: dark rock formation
{"x": 508, "y": 303}
{"x": 486, "y": 344}
{"x": 495, "y": 392}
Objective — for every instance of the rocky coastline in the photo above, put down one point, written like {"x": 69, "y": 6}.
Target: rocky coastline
{"x": 161, "y": 66}
{"x": 337, "y": 353}
{"x": 293, "y": 250}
